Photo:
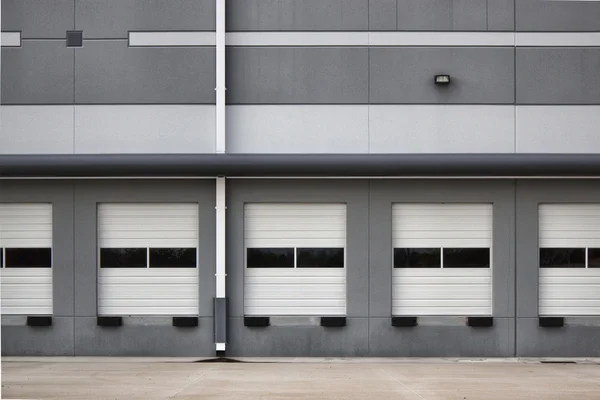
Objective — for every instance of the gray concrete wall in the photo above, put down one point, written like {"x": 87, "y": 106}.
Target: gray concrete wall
{"x": 17, "y": 338}
{"x": 139, "y": 339}
{"x": 368, "y": 331}
{"x": 92, "y": 16}
{"x": 300, "y": 340}
{"x": 375, "y": 15}
{"x": 558, "y": 75}
{"x": 74, "y": 330}
{"x": 447, "y": 337}
{"x": 557, "y": 15}
{"x": 291, "y": 15}
{"x": 369, "y": 290}
{"x": 345, "y": 70}
{"x": 110, "y": 72}
{"x": 580, "y": 336}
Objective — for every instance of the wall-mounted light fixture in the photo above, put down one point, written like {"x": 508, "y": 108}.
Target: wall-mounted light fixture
{"x": 442, "y": 79}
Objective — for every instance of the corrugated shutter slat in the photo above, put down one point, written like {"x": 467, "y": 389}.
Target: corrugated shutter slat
{"x": 26, "y": 291}
{"x": 148, "y": 291}
{"x": 437, "y": 291}
{"x": 295, "y": 291}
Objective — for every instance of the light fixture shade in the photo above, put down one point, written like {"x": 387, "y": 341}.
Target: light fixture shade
{"x": 442, "y": 79}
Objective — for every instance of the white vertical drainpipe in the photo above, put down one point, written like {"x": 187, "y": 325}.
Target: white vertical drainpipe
{"x": 220, "y": 142}
{"x": 220, "y": 147}
{"x": 220, "y": 290}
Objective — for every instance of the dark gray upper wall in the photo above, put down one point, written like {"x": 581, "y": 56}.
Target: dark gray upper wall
{"x": 110, "y": 72}
{"x": 39, "y": 72}
{"x": 557, "y": 15}
{"x": 48, "y": 19}
{"x": 501, "y": 15}
{"x": 294, "y": 15}
{"x": 442, "y": 15}
{"x": 558, "y": 75}
{"x": 297, "y": 75}
{"x": 405, "y": 75}
{"x": 106, "y": 72}
{"x": 115, "y": 18}
{"x": 345, "y": 75}
{"x": 363, "y": 15}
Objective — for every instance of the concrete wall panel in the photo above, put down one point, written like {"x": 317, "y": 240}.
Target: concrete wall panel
{"x": 558, "y": 75}
{"x": 383, "y": 193}
{"x": 573, "y": 340}
{"x": 406, "y": 75}
{"x": 109, "y": 72}
{"x": 56, "y": 340}
{"x": 143, "y": 340}
{"x": 297, "y": 75}
{"x": 558, "y": 129}
{"x": 291, "y": 15}
{"x": 501, "y": 15}
{"x": 383, "y": 15}
{"x": 299, "y": 341}
{"x": 569, "y": 341}
{"x": 39, "y": 72}
{"x": 112, "y": 19}
{"x": 441, "y": 129}
{"x": 441, "y": 341}
{"x": 89, "y": 193}
{"x": 557, "y": 15}
{"x": 442, "y": 15}
{"x": 298, "y": 129}
{"x": 145, "y": 129}
{"x": 60, "y": 194}
{"x": 48, "y": 19}
{"x": 36, "y": 129}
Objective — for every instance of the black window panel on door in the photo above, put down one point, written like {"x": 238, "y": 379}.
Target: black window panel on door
{"x": 270, "y": 257}
{"x": 173, "y": 258}
{"x": 123, "y": 258}
{"x": 562, "y": 258}
{"x": 593, "y": 258}
{"x": 417, "y": 258}
{"x": 28, "y": 258}
{"x": 1, "y": 258}
{"x": 466, "y": 258}
{"x": 320, "y": 257}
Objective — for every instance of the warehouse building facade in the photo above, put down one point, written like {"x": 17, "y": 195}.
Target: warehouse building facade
{"x": 300, "y": 178}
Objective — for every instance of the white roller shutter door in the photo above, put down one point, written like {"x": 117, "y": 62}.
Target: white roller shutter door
{"x": 442, "y": 291}
{"x": 26, "y": 291}
{"x": 295, "y": 291}
{"x": 148, "y": 291}
{"x": 570, "y": 291}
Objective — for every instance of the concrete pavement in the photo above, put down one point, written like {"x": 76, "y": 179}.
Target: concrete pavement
{"x": 410, "y": 379}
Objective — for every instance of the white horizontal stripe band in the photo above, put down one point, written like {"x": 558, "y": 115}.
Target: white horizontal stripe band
{"x": 358, "y": 39}
{"x": 370, "y": 39}
{"x": 10, "y": 39}
{"x": 297, "y": 39}
{"x": 558, "y": 39}
{"x": 171, "y": 39}
{"x": 441, "y": 39}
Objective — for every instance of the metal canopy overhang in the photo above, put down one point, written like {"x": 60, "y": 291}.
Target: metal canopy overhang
{"x": 301, "y": 165}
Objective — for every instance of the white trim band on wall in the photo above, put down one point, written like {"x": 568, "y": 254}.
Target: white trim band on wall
{"x": 363, "y": 39}
{"x": 358, "y": 39}
{"x": 416, "y": 39}
{"x": 171, "y": 39}
{"x": 297, "y": 39}
{"x": 558, "y": 39}
{"x": 490, "y": 39}
{"x": 10, "y": 39}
